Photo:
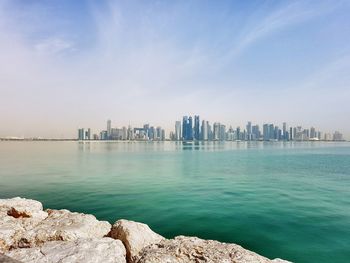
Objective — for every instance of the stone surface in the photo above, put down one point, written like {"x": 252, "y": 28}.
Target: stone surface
{"x": 106, "y": 250}
{"x": 6, "y": 259}
{"x": 135, "y": 236}
{"x": 18, "y": 215}
{"x": 64, "y": 225}
{"x": 191, "y": 249}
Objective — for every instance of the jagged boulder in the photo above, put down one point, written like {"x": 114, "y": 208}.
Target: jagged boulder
{"x": 18, "y": 215}
{"x": 191, "y": 249}
{"x": 106, "y": 250}
{"x": 63, "y": 225}
{"x": 135, "y": 236}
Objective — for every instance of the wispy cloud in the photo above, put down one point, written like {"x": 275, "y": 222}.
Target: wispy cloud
{"x": 54, "y": 45}
{"x": 288, "y": 15}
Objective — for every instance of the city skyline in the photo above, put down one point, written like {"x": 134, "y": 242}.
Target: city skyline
{"x": 69, "y": 63}
{"x": 195, "y": 129}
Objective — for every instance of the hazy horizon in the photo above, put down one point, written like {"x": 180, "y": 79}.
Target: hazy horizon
{"x": 71, "y": 64}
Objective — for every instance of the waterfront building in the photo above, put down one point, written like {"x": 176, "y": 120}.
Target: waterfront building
{"x": 196, "y": 128}
{"x": 284, "y": 135}
{"x": 177, "y": 135}
{"x": 84, "y": 134}
{"x": 109, "y": 129}
{"x": 266, "y": 133}
{"x": 187, "y": 128}
{"x": 337, "y": 136}
{"x": 103, "y": 135}
{"x": 204, "y": 130}
{"x": 238, "y": 133}
{"x": 249, "y": 131}
{"x": 216, "y": 131}
{"x": 222, "y": 132}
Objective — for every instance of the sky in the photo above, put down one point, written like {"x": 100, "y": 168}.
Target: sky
{"x": 69, "y": 64}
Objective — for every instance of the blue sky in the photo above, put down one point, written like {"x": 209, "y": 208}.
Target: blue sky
{"x": 70, "y": 64}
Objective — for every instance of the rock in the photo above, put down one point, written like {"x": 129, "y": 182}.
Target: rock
{"x": 63, "y": 225}
{"x": 22, "y": 208}
{"x": 191, "y": 249}
{"x": 5, "y": 259}
{"x": 106, "y": 250}
{"x": 18, "y": 215}
{"x": 135, "y": 236}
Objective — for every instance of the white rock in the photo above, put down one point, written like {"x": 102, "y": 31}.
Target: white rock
{"x": 106, "y": 250}
{"x": 64, "y": 225}
{"x": 135, "y": 236}
{"x": 18, "y": 215}
{"x": 191, "y": 249}
{"x": 22, "y": 208}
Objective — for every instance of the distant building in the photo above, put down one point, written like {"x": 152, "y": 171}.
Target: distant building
{"x": 337, "y": 136}
{"x": 109, "y": 129}
{"x": 196, "y": 128}
{"x": 84, "y": 134}
{"x": 178, "y": 135}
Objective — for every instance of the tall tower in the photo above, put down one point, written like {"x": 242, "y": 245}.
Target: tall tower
{"x": 249, "y": 130}
{"x": 109, "y": 129}
{"x": 190, "y": 129}
{"x": 178, "y": 131}
{"x": 196, "y": 128}
{"x": 285, "y": 131}
{"x": 184, "y": 127}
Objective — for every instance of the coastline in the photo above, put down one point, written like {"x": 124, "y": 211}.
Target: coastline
{"x": 30, "y": 234}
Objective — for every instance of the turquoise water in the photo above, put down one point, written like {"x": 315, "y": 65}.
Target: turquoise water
{"x": 287, "y": 200}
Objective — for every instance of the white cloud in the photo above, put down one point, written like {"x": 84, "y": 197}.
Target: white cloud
{"x": 54, "y": 45}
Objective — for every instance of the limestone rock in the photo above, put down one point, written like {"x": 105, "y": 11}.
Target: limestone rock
{"x": 64, "y": 225}
{"x": 18, "y": 215}
{"x": 106, "y": 250}
{"x": 6, "y": 259}
{"x": 191, "y": 249}
{"x": 22, "y": 208}
{"x": 135, "y": 236}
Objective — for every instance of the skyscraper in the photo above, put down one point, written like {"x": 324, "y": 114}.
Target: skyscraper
{"x": 178, "y": 131}
{"x": 187, "y": 128}
{"x": 216, "y": 131}
{"x": 284, "y": 131}
{"x": 204, "y": 131}
{"x": 109, "y": 129}
{"x": 196, "y": 128}
{"x": 266, "y": 133}
{"x": 184, "y": 127}
{"x": 249, "y": 131}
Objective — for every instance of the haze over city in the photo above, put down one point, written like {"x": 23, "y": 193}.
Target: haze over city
{"x": 71, "y": 64}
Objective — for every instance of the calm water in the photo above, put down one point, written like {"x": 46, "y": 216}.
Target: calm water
{"x": 288, "y": 200}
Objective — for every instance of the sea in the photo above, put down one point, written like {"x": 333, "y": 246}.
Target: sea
{"x": 289, "y": 200}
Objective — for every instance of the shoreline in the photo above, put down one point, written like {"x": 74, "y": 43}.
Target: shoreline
{"x": 28, "y": 233}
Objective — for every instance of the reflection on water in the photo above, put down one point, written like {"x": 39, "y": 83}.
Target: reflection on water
{"x": 281, "y": 199}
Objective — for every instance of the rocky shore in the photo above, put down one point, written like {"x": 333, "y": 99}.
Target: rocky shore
{"x": 30, "y": 234}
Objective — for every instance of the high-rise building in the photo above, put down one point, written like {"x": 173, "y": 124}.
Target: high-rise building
{"x": 84, "y": 134}
{"x": 184, "y": 127}
{"x": 284, "y": 135}
{"x": 271, "y": 132}
{"x": 187, "y": 128}
{"x": 238, "y": 133}
{"x": 337, "y": 136}
{"x": 222, "y": 132}
{"x": 177, "y": 131}
{"x": 249, "y": 131}
{"x": 313, "y": 133}
{"x": 266, "y": 133}
{"x": 196, "y": 128}
{"x": 109, "y": 129}
{"x": 216, "y": 131}
{"x": 291, "y": 133}
{"x": 204, "y": 130}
